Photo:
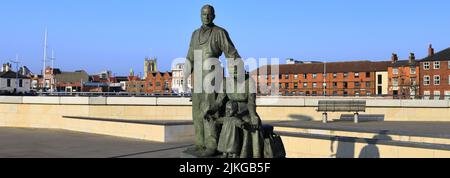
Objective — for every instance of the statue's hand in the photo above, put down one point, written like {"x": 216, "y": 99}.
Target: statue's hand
{"x": 255, "y": 122}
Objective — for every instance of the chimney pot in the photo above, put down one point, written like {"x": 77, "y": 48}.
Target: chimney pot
{"x": 430, "y": 50}
{"x": 412, "y": 58}
{"x": 394, "y": 58}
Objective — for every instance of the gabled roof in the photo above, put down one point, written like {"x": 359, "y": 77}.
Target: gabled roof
{"x": 72, "y": 77}
{"x": 11, "y": 74}
{"x": 443, "y": 55}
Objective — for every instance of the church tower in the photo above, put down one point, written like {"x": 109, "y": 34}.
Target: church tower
{"x": 150, "y": 66}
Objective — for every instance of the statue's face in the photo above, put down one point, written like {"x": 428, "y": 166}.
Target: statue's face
{"x": 230, "y": 110}
{"x": 207, "y": 16}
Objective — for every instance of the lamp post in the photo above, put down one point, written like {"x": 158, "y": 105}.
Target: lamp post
{"x": 17, "y": 73}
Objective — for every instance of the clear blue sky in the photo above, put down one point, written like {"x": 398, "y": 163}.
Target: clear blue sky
{"x": 115, "y": 34}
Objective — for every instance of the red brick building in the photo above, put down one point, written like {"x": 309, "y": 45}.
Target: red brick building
{"x": 435, "y": 75}
{"x": 158, "y": 83}
{"x": 404, "y": 77}
{"x": 356, "y": 78}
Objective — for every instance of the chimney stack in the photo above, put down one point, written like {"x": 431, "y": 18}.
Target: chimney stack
{"x": 394, "y": 58}
{"x": 430, "y": 50}
{"x": 6, "y": 67}
{"x": 412, "y": 58}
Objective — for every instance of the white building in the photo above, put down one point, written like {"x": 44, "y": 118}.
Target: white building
{"x": 178, "y": 79}
{"x": 9, "y": 80}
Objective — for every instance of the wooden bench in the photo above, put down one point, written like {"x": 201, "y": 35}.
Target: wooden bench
{"x": 354, "y": 106}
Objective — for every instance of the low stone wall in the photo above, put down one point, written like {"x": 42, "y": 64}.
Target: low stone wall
{"x": 320, "y": 146}
{"x": 36, "y": 109}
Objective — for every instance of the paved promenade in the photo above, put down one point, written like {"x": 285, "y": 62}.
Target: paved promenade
{"x": 46, "y": 143}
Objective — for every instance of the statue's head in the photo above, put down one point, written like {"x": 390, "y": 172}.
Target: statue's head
{"x": 208, "y": 14}
{"x": 231, "y": 109}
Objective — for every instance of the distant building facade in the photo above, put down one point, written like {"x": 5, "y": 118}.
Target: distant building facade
{"x": 14, "y": 83}
{"x": 178, "y": 80}
{"x": 158, "y": 83}
{"x": 356, "y": 78}
{"x": 404, "y": 77}
{"x": 435, "y": 75}
{"x": 71, "y": 81}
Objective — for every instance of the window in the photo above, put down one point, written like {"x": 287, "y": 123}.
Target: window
{"x": 325, "y": 75}
{"x": 305, "y": 76}
{"x": 34, "y": 83}
{"x": 305, "y": 85}
{"x": 286, "y": 85}
{"x": 356, "y": 93}
{"x": 345, "y": 85}
{"x": 426, "y": 80}
{"x": 150, "y": 84}
{"x": 334, "y": 75}
{"x": 437, "y": 95}
{"x": 395, "y": 82}
{"x": 413, "y": 81}
{"x": 324, "y": 85}
{"x": 426, "y": 94}
{"x": 335, "y": 93}
{"x": 413, "y": 70}
{"x": 437, "y": 65}
{"x": 357, "y": 84}
{"x": 345, "y": 74}
{"x": 286, "y": 76}
{"x": 448, "y": 63}
{"x": 273, "y": 77}
{"x": 296, "y": 76}
{"x": 295, "y": 85}
{"x": 367, "y": 84}
{"x": 20, "y": 83}
{"x": 314, "y": 76}
{"x": 356, "y": 74}
{"x": 8, "y": 82}
{"x": 395, "y": 71}
{"x": 158, "y": 84}
{"x": 437, "y": 80}
{"x": 280, "y": 76}
{"x": 367, "y": 74}
{"x": 426, "y": 65}
{"x": 314, "y": 85}
{"x": 380, "y": 79}
{"x": 335, "y": 84}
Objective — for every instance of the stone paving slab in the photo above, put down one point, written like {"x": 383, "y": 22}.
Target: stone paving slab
{"x": 49, "y": 143}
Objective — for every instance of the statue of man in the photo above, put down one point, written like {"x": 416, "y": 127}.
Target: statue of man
{"x": 211, "y": 42}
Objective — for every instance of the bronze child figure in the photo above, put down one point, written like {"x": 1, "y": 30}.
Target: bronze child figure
{"x": 230, "y": 140}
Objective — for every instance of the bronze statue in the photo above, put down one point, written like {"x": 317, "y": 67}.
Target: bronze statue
{"x": 212, "y": 41}
{"x": 225, "y": 121}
